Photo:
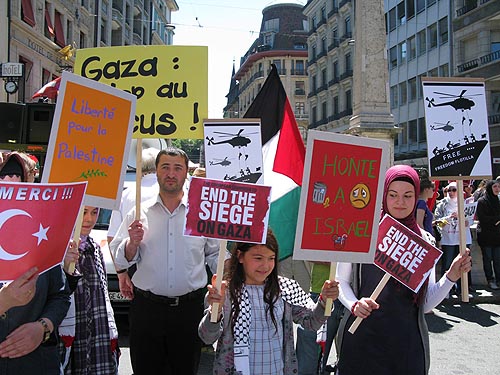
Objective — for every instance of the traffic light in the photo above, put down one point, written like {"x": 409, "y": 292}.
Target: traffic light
{"x": 12, "y": 121}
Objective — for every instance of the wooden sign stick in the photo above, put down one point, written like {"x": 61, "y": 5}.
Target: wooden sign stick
{"x": 138, "y": 178}
{"x": 76, "y": 235}
{"x": 354, "y": 326}
{"x": 329, "y": 301}
{"x": 218, "y": 281}
{"x": 462, "y": 228}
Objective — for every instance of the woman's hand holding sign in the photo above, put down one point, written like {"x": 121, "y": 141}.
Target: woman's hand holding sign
{"x": 364, "y": 307}
{"x": 461, "y": 264}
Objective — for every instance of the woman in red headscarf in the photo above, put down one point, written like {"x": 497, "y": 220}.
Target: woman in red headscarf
{"x": 393, "y": 337}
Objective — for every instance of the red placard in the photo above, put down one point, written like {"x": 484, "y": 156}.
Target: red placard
{"x": 227, "y": 210}
{"x": 403, "y": 254}
{"x": 36, "y": 222}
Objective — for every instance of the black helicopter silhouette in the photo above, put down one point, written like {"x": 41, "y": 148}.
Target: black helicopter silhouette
{"x": 237, "y": 140}
{"x": 461, "y": 102}
{"x": 224, "y": 162}
{"x": 446, "y": 127}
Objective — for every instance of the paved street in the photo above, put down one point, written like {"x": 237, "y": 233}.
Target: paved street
{"x": 465, "y": 339}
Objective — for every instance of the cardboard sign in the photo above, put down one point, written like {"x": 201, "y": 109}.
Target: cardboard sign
{"x": 227, "y": 210}
{"x": 403, "y": 254}
{"x": 457, "y": 128}
{"x": 36, "y": 222}
{"x": 233, "y": 150}
{"x": 341, "y": 198}
{"x": 170, "y": 83}
{"x": 90, "y": 138}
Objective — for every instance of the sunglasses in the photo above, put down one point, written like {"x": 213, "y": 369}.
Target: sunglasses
{"x": 452, "y": 190}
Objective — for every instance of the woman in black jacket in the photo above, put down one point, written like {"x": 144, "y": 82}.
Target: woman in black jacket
{"x": 488, "y": 232}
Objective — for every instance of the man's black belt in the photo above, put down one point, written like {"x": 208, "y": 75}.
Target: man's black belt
{"x": 170, "y": 301}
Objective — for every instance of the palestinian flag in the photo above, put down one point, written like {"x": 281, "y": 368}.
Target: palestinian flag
{"x": 283, "y": 156}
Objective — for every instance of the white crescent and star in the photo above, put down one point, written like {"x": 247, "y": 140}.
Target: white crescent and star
{"x": 40, "y": 235}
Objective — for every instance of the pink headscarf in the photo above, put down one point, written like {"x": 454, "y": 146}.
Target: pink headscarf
{"x": 408, "y": 174}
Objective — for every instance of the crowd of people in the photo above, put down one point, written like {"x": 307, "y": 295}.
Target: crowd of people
{"x": 62, "y": 322}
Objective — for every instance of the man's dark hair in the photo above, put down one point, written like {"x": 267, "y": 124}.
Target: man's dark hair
{"x": 173, "y": 151}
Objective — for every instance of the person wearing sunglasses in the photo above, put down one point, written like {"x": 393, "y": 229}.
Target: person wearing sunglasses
{"x": 447, "y": 214}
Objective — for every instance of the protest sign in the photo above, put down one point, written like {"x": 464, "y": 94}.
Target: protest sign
{"x": 36, "y": 221}
{"x": 233, "y": 150}
{"x": 456, "y": 121}
{"x": 227, "y": 210}
{"x": 90, "y": 138}
{"x": 341, "y": 198}
{"x": 404, "y": 254}
{"x": 170, "y": 83}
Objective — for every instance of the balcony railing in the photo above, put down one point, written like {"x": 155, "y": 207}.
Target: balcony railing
{"x": 300, "y": 92}
{"x": 333, "y": 81}
{"x": 466, "y": 9}
{"x": 298, "y": 72}
{"x": 494, "y": 119}
{"x": 475, "y": 63}
{"x": 333, "y": 45}
{"x": 346, "y": 74}
{"x": 333, "y": 11}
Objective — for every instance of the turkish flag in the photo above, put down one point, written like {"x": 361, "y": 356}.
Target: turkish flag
{"x": 36, "y": 224}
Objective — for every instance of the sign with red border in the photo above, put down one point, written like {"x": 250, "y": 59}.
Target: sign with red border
{"x": 227, "y": 210}
{"x": 403, "y": 254}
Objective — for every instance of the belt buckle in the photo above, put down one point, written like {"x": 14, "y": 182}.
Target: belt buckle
{"x": 175, "y": 302}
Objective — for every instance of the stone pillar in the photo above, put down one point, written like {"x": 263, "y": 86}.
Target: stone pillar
{"x": 371, "y": 109}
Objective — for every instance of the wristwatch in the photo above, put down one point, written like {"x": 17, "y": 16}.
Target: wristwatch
{"x": 46, "y": 330}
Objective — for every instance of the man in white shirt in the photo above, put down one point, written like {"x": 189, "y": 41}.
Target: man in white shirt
{"x": 170, "y": 276}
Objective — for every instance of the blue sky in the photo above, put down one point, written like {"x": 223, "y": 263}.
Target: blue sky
{"x": 228, "y": 28}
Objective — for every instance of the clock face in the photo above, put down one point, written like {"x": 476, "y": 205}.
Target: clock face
{"x": 11, "y": 87}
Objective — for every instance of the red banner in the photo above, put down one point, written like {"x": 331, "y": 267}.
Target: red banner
{"x": 403, "y": 254}
{"x": 227, "y": 210}
{"x": 36, "y": 223}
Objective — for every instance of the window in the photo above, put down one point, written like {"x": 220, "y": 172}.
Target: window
{"x": 444, "y": 70}
{"x": 313, "y": 52}
{"x": 300, "y": 108}
{"x": 336, "y": 105}
{"x": 272, "y": 25}
{"x": 83, "y": 39}
{"x": 430, "y": 2}
{"x": 48, "y": 28}
{"x": 323, "y": 77}
{"x": 410, "y": 9}
{"x": 27, "y": 14}
{"x": 401, "y": 13}
{"x": 314, "y": 22}
{"x": 495, "y": 46}
{"x": 348, "y": 100}
{"x": 412, "y": 89}
{"x": 392, "y": 19}
{"x": 323, "y": 14}
{"x": 313, "y": 83}
{"x": 323, "y": 111}
{"x": 443, "y": 30}
{"x": 323, "y": 45}
{"x": 335, "y": 70}
{"x": 314, "y": 115}
{"x": 300, "y": 88}
{"x": 404, "y": 133}
{"x": 420, "y": 5}
{"x": 402, "y": 52}
{"x": 412, "y": 52}
{"x": 403, "y": 95}
{"x": 394, "y": 97}
{"x": 299, "y": 66}
{"x": 412, "y": 131}
{"x": 347, "y": 23}
{"x": 421, "y": 130}
{"x": 348, "y": 63}
{"x": 433, "y": 36}
{"x": 432, "y": 73}
{"x": 420, "y": 91}
{"x": 46, "y": 76}
{"x": 421, "y": 43}
{"x": 60, "y": 41}
{"x": 393, "y": 57}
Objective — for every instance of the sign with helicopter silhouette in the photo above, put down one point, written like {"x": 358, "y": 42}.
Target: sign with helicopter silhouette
{"x": 233, "y": 150}
{"x": 457, "y": 128}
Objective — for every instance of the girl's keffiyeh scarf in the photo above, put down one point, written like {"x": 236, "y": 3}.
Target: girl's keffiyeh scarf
{"x": 290, "y": 291}
{"x": 91, "y": 351}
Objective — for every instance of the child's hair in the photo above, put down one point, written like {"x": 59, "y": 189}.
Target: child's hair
{"x": 236, "y": 278}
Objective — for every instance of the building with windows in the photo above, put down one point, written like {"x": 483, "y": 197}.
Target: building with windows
{"x": 330, "y": 65}
{"x": 282, "y": 41}
{"x": 419, "y": 45}
{"x": 45, "y": 35}
{"x": 476, "y": 41}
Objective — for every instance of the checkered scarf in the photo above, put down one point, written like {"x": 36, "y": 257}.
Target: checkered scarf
{"x": 91, "y": 350}
{"x": 290, "y": 291}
